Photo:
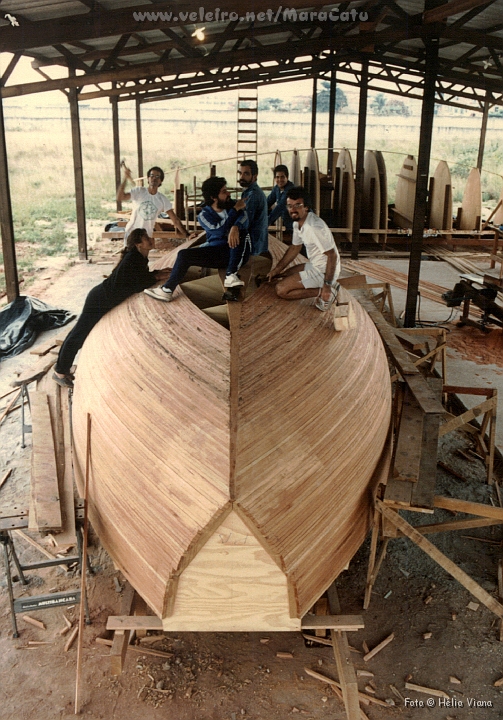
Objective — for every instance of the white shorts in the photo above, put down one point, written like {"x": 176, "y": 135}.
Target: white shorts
{"x": 311, "y": 277}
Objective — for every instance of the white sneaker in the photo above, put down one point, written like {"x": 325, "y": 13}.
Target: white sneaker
{"x": 232, "y": 280}
{"x": 160, "y": 294}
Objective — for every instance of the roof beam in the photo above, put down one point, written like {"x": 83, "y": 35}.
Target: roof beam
{"x": 442, "y": 12}
{"x": 110, "y": 23}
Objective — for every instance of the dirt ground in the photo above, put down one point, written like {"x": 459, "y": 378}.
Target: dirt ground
{"x": 439, "y": 642}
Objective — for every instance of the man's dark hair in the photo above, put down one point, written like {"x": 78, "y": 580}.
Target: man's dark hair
{"x": 281, "y": 168}
{"x": 211, "y": 187}
{"x": 300, "y": 193}
{"x": 251, "y": 164}
{"x": 159, "y": 170}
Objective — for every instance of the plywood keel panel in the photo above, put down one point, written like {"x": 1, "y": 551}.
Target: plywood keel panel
{"x": 232, "y": 584}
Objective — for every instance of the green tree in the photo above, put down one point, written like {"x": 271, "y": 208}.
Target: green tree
{"x": 323, "y": 98}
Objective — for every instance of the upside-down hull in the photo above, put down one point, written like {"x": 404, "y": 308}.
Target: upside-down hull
{"x": 231, "y": 471}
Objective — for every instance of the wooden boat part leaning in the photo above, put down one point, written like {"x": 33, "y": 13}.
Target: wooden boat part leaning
{"x": 231, "y": 470}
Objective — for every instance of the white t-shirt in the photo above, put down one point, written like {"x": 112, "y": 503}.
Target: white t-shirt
{"x": 316, "y": 236}
{"x": 146, "y": 208}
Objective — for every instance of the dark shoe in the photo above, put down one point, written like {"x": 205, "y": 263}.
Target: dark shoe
{"x": 65, "y": 381}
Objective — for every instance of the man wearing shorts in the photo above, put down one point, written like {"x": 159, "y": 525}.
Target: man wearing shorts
{"x": 318, "y": 277}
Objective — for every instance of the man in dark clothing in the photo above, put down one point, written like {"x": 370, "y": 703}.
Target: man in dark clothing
{"x": 218, "y": 217}
{"x": 129, "y": 277}
{"x": 256, "y": 207}
{"x": 276, "y": 200}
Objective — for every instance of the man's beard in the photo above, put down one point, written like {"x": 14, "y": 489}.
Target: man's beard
{"x": 245, "y": 183}
{"x": 225, "y": 204}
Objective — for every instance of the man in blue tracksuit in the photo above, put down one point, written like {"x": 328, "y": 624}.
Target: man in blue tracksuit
{"x": 222, "y": 248}
{"x": 276, "y": 200}
{"x": 256, "y": 207}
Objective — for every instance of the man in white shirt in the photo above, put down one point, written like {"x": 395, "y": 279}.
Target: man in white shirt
{"x": 318, "y": 277}
{"x": 147, "y": 203}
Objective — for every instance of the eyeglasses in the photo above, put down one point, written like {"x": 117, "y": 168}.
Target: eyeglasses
{"x": 155, "y": 177}
{"x": 295, "y": 207}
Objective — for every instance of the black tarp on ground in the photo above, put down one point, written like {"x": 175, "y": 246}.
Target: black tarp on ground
{"x": 23, "y": 319}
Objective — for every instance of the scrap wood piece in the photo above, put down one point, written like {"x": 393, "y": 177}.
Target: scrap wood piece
{"x": 34, "y": 373}
{"x": 426, "y": 691}
{"x": 55, "y": 341}
{"x": 499, "y": 682}
{"x": 442, "y": 560}
{"x": 5, "y": 477}
{"x": 366, "y": 699}
{"x": 71, "y": 639}
{"x": 379, "y": 647}
{"x": 134, "y": 622}
{"x": 41, "y": 549}
{"x": 33, "y": 621}
{"x": 44, "y": 470}
{"x": 10, "y": 405}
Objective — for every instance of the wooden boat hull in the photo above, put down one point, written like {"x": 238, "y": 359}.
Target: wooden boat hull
{"x": 231, "y": 472}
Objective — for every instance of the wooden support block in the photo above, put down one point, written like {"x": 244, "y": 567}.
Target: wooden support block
{"x": 344, "y": 317}
{"x": 442, "y": 560}
{"x": 44, "y": 471}
{"x": 122, "y": 637}
{"x": 347, "y": 623}
{"x": 134, "y": 622}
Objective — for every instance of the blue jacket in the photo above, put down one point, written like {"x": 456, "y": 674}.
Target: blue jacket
{"x": 278, "y": 196}
{"x": 217, "y": 228}
{"x": 256, "y": 209}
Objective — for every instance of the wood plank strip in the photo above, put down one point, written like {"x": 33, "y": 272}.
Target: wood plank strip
{"x": 44, "y": 471}
{"x": 341, "y": 623}
{"x": 471, "y": 508}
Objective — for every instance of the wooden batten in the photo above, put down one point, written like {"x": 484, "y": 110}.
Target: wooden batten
{"x": 224, "y": 479}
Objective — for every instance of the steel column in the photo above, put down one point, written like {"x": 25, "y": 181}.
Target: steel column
{"x": 423, "y": 166}
{"x": 313, "y": 112}
{"x": 117, "y": 150}
{"x": 360, "y": 156}
{"x": 331, "y": 120}
{"x": 78, "y": 172}
{"x": 139, "y": 140}
{"x": 6, "y": 223}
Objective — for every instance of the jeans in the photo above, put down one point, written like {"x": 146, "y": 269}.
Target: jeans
{"x": 210, "y": 256}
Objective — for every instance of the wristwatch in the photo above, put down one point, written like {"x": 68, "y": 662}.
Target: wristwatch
{"x": 326, "y": 282}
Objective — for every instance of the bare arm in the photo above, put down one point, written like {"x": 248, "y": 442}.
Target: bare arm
{"x": 177, "y": 223}
{"x": 121, "y": 194}
{"x": 326, "y": 290}
{"x": 291, "y": 254}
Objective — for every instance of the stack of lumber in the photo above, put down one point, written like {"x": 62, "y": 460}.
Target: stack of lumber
{"x": 428, "y": 290}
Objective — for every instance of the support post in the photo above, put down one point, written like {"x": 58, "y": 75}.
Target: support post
{"x": 117, "y": 151}
{"x": 423, "y": 166}
{"x": 6, "y": 223}
{"x": 360, "y": 156}
{"x": 78, "y": 172}
{"x": 313, "y": 112}
{"x": 331, "y": 121}
{"x": 483, "y": 130}
{"x": 139, "y": 139}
